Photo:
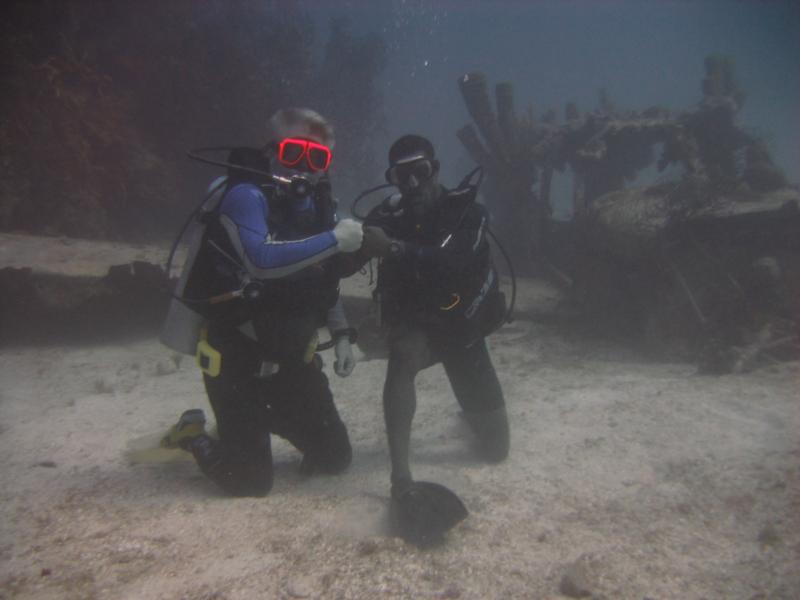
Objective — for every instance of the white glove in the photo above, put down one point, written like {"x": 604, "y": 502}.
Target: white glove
{"x": 345, "y": 361}
{"x": 348, "y": 234}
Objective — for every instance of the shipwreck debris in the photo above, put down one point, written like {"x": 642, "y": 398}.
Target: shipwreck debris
{"x": 678, "y": 264}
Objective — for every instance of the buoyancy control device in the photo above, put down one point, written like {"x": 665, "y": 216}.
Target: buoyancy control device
{"x": 485, "y": 297}
{"x": 187, "y": 315}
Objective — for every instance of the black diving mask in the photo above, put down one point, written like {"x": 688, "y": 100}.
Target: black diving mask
{"x": 410, "y": 172}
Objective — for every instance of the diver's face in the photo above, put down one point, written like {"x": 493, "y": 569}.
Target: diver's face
{"x": 417, "y": 182}
{"x": 305, "y": 162}
{"x": 421, "y": 198}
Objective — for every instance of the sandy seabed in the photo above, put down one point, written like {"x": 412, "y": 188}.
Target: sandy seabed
{"x": 627, "y": 479}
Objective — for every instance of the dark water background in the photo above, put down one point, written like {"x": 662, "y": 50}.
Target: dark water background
{"x": 643, "y": 53}
{"x": 104, "y": 97}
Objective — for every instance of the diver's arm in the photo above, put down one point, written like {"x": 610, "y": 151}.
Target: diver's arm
{"x": 244, "y": 213}
{"x": 336, "y": 318}
{"x": 340, "y": 333}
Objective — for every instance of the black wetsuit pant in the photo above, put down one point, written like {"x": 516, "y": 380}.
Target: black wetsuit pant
{"x": 472, "y": 378}
{"x": 294, "y": 403}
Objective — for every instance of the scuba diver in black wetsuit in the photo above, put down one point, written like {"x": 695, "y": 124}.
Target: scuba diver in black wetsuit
{"x": 439, "y": 296}
{"x": 261, "y": 278}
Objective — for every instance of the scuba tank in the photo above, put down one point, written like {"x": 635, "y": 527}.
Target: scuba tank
{"x": 183, "y": 325}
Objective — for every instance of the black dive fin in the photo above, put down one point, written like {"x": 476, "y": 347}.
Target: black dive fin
{"x": 424, "y": 511}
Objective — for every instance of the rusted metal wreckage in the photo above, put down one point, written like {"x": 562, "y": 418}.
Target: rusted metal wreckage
{"x": 705, "y": 265}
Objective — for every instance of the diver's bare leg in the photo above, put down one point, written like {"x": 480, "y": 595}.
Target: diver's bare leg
{"x": 409, "y": 353}
{"x": 421, "y": 511}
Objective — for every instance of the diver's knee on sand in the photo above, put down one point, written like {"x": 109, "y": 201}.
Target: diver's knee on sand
{"x": 331, "y": 453}
{"x": 492, "y": 432}
{"x": 235, "y": 473}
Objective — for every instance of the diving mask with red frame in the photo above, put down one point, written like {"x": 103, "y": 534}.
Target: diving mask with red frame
{"x": 301, "y": 154}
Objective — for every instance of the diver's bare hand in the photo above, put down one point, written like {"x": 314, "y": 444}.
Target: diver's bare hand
{"x": 376, "y": 242}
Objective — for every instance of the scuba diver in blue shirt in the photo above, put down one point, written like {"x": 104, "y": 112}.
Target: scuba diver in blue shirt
{"x": 439, "y": 297}
{"x": 261, "y": 277}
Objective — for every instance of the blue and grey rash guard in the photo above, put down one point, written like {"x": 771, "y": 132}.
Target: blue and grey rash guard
{"x": 244, "y": 213}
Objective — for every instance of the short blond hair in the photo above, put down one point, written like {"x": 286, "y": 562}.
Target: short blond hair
{"x": 299, "y": 122}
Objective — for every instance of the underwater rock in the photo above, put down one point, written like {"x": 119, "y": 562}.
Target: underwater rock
{"x": 39, "y": 307}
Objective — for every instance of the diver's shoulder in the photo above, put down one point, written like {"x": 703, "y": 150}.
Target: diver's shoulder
{"x": 464, "y": 194}
{"x": 462, "y": 201}
{"x": 244, "y": 193}
{"x": 245, "y": 190}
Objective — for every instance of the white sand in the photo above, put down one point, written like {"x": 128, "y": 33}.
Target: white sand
{"x": 660, "y": 483}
